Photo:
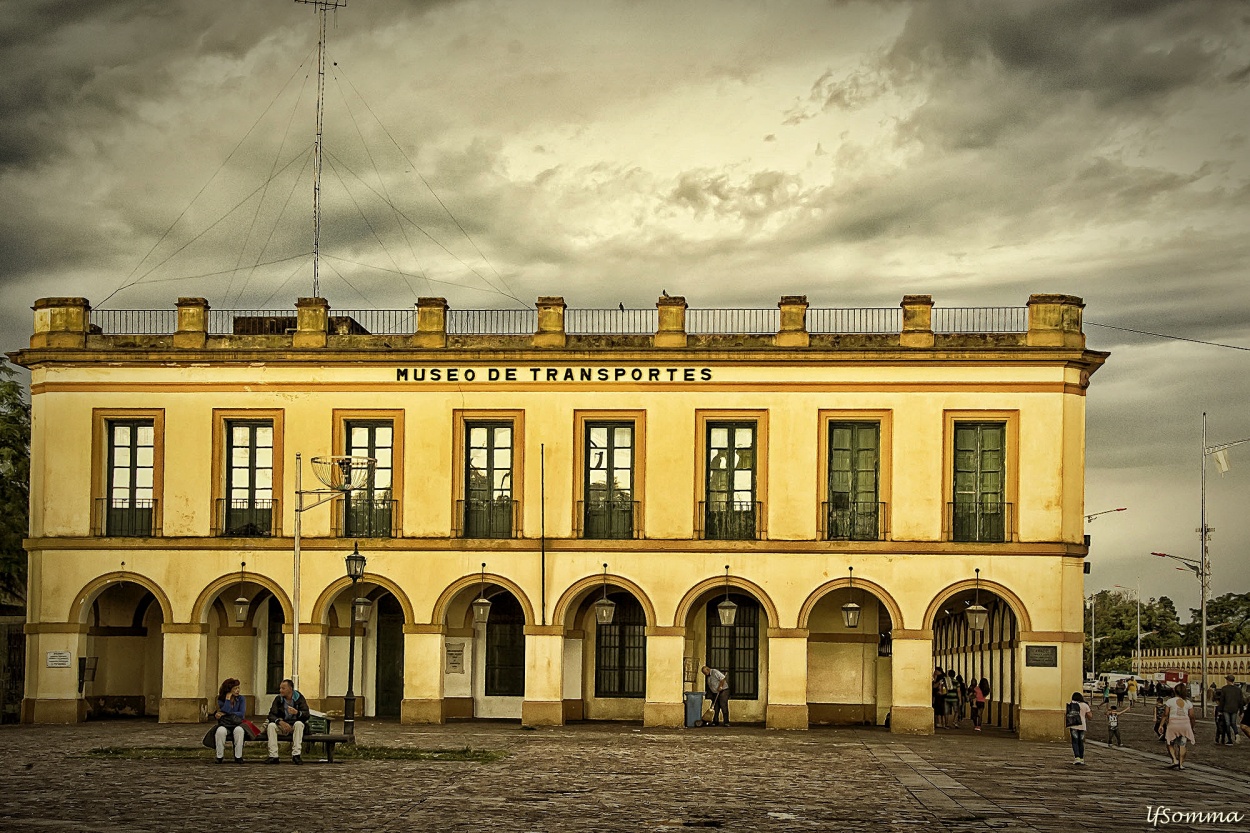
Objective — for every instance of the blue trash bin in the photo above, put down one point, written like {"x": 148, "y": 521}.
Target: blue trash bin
{"x": 694, "y": 709}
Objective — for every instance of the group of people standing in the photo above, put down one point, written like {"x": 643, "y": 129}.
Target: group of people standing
{"x": 1173, "y": 724}
{"x": 288, "y": 717}
{"x": 953, "y": 698}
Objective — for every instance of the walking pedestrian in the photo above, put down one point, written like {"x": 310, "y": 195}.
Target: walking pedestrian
{"x": 1132, "y": 691}
{"x": 977, "y": 696}
{"x": 1229, "y": 700}
{"x": 1075, "y": 719}
{"x": 1160, "y": 711}
{"x": 1178, "y": 726}
{"x": 952, "y": 700}
{"x": 1113, "y": 725}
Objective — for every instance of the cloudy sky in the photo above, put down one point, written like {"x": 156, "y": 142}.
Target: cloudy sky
{"x": 728, "y": 151}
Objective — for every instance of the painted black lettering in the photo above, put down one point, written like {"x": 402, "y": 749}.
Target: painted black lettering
{"x": 653, "y": 375}
{"x": 688, "y": 374}
{"x": 568, "y": 375}
{"x": 552, "y": 374}
{"x": 585, "y": 374}
{"x": 401, "y": 374}
{"x": 672, "y": 373}
{"x": 509, "y": 375}
{"x": 418, "y": 375}
{"x": 706, "y": 374}
{"x": 434, "y": 374}
{"x": 470, "y": 375}
{"x": 620, "y": 373}
{"x": 603, "y": 374}
{"x": 536, "y": 371}
{"x": 452, "y": 374}
{"x": 492, "y": 375}
{"x": 636, "y": 374}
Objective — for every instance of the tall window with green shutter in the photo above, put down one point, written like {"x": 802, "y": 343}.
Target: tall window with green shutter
{"x": 369, "y": 511}
{"x": 852, "y": 510}
{"x": 979, "y": 511}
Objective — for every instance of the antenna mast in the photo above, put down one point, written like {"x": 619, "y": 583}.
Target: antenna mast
{"x": 322, "y": 7}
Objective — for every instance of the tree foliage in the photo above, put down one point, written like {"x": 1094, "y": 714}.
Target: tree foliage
{"x": 1115, "y": 627}
{"x": 14, "y": 483}
{"x": 1228, "y": 621}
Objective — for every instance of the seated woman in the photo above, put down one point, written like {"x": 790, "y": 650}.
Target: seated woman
{"x": 231, "y": 710}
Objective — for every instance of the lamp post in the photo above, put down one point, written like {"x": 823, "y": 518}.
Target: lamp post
{"x": 1091, "y": 517}
{"x": 1199, "y": 568}
{"x": 1137, "y": 594}
{"x": 1093, "y": 638}
{"x": 1204, "y": 535}
{"x": 355, "y": 570}
{"x": 340, "y": 475}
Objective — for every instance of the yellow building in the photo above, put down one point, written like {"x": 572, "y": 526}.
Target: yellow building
{"x": 667, "y": 458}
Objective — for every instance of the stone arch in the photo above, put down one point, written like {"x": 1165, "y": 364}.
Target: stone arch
{"x": 321, "y": 608}
{"x": 79, "y": 607}
{"x": 692, "y": 595}
{"x": 1023, "y": 621}
{"x": 439, "y": 614}
{"x": 203, "y": 603}
{"x": 891, "y": 606}
{"x": 567, "y": 598}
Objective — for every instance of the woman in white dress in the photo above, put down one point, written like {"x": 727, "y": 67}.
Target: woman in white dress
{"x": 1178, "y": 726}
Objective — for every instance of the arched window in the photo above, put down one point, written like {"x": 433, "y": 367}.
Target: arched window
{"x": 621, "y": 651}
{"x": 505, "y": 647}
{"x": 736, "y": 650}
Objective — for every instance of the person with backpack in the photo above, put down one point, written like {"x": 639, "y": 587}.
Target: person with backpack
{"x": 1074, "y": 718}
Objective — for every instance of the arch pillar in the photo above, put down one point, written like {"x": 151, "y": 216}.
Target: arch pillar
{"x": 184, "y": 645}
{"x": 666, "y": 649}
{"x": 311, "y": 677}
{"x": 912, "y": 659}
{"x": 544, "y": 676}
{"x": 787, "y": 679}
{"x": 52, "y": 693}
{"x": 423, "y": 674}
{"x": 1044, "y": 688}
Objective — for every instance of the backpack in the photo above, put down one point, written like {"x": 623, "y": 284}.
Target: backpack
{"x": 1072, "y": 716}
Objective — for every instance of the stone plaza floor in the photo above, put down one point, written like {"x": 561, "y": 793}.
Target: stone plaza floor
{"x": 612, "y": 777}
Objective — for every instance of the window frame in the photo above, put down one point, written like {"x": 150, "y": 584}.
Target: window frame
{"x": 222, "y": 417}
{"x": 885, "y": 461}
{"x": 342, "y": 420}
{"x": 101, "y": 419}
{"x": 461, "y": 418}
{"x": 760, "y": 418}
{"x": 625, "y": 642}
{"x": 1011, "y": 467}
{"x": 582, "y": 419}
{"x": 744, "y": 602}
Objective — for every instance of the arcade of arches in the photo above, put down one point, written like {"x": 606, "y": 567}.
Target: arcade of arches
{"x": 821, "y": 672}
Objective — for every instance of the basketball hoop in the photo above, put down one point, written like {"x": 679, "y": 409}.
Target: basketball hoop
{"x": 343, "y": 473}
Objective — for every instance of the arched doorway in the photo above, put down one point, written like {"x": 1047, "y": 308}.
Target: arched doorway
{"x": 739, "y": 650}
{"x": 484, "y": 663}
{"x": 607, "y": 663}
{"x": 247, "y": 641}
{"x": 988, "y": 654}
{"x": 378, "y": 680}
{"x": 124, "y": 636}
{"x": 849, "y": 670}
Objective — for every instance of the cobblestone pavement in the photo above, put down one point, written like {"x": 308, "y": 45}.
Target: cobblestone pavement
{"x": 605, "y": 777}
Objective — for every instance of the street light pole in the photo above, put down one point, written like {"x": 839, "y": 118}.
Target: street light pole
{"x": 355, "y": 570}
{"x": 1198, "y": 568}
{"x": 1137, "y": 593}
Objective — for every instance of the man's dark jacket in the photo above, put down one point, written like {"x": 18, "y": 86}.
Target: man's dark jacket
{"x": 278, "y": 710}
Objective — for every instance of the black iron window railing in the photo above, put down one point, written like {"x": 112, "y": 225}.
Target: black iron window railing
{"x": 984, "y": 521}
{"x": 365, "y": 517}
{"x": 732, "y": 520}
{"x": 126, "y": 518}
{"x": 247, "y": 518}
{"x": 486, "y": 518}
{"x": 609, "y": 519}
{"x": 852, "y": 521}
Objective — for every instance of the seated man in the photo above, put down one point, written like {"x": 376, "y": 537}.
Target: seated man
{"x": 287, "y": 716}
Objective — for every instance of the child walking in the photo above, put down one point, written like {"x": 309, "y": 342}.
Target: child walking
{"x": 1113, "y": 724}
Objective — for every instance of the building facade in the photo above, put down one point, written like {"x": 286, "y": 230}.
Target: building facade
{"x": 1222, "y": 660}
{"x": 915, "y": 462}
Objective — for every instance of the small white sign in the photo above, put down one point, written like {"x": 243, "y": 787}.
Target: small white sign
{"x": 455, "y": 657}
{"x": 59, "y": 659}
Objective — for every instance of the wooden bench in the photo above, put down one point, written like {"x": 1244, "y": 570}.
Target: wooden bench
{"x": 327, "y": 741}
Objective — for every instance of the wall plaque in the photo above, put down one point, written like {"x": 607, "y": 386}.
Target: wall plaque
{"x": 1041, "y": 656}
{"x": 455, "y": 657}
{"x": 59, "y": 659}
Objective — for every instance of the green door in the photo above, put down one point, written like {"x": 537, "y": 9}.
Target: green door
{"x": 390, "y": 659}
